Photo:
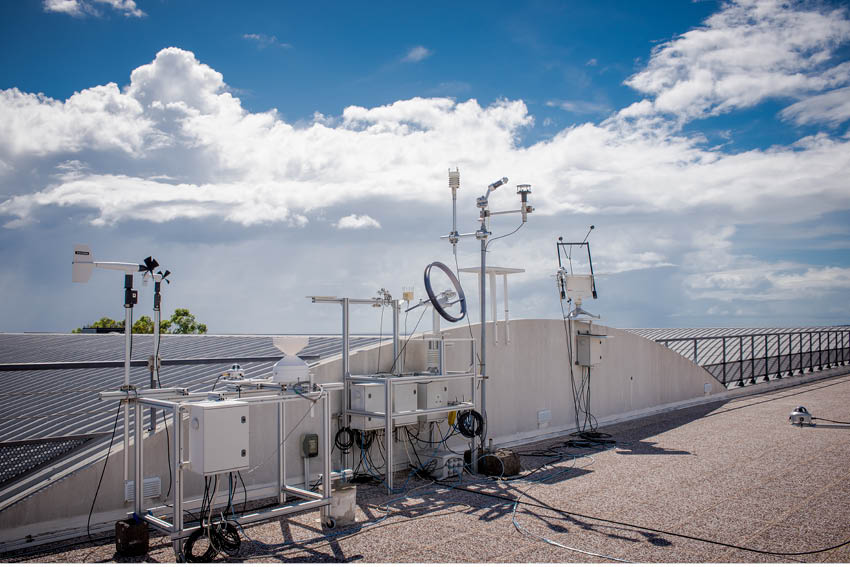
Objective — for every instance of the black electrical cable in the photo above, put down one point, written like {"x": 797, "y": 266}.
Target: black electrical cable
{"x": 644, "y": 528}
{"x": 831, "y": 421}
{"x": 188, "y": 548}
{"x": 245, "y": 490}
{"x": 440, "y": 442}
{"x": 105, "y": 462}
{"x": 344, "y": 446}
{"x": 468, "y": 323}
{"x": 404, "y": 346}
{"x": 470, "y": 423}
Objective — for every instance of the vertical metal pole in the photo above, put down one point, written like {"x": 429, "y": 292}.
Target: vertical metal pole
{"x": 828, "y": 351}
{"x": 790, "y": 357}
{"x": 766, "y": 360}
{"x": 177, "y": 489}
{"x": 326, "y": 457}
{"x": 346, "y": 372}
{"x": 483, "y": 282}
{"x": 800, "y": 348}
{"x": 723, "y": 342}
{"x": 753, "y": 357}
{"x": 741, "y": 356}
{"x": 388, "y": 432}
{"x": 139, "y": 446}
{"x": 696, "y": 353}
{"x": 283, "y": 448}
{"x": 811, "y": 354}
{"x": 507, "y": 315}
{"x": 820, "y": 351}
{"x": 281, "y": 459}
{"x": 396, "y": 311}
{"x": 128, "y": 346}
{"x": 155, "y": 366}
{"x": 493, "y": 308}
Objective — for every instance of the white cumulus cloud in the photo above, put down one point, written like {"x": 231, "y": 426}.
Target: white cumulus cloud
{"x": 81, "y": 8}
{"x": 357, "y": 221}
{"x": 749, "y": 51}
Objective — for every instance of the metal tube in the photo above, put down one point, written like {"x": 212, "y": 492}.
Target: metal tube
{"x": 493, "y": 308}
{"x": 346, "y": 372}
{"x": 128, "y": 338}
{"x": 483, "y": 280}
{"x": 446, "y": 409}
{"x": 766, "y": 361}
{"x": 741, "y": 357}
{"x": 388, "y": 433}
{"x": 753, "y": 358}
{"x": 155, "y": 358}
{"x": 396, "y": 311}
{"x": 281, "y": 460}
{"x": 282, "y": 449}
{"x": 158, "y": 523}
{"x": 326, "y": 460}
{"x": 301, "y": 493}
{"x": 139, "y": 471}
{"x": 279, "y": 511}
{"x": 177, "y": 462}
{"x": 507, "y": 315}
{"x": 724, "y": 360}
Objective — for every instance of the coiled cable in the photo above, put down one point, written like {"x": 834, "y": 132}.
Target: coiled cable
{"x": 470, "y": 423}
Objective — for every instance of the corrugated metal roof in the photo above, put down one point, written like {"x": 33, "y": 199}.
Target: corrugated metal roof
{"x": 35, "y": 404}
{"x": 43, "y": 404}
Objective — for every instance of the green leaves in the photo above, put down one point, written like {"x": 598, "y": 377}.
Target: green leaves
{"x": 182, "y": 322}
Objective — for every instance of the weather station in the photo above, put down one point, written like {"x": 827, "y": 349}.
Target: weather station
{"x": 507, "y": 462}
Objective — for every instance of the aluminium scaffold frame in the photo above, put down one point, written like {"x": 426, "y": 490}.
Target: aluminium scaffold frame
{"x": 177, "y": 401}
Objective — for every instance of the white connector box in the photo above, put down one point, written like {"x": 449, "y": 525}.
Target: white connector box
{"x": 218, "y": 436}
{"x": 370, "y": 397}
{"x": 444, "y": 465}
{"x": 433, "y": 395}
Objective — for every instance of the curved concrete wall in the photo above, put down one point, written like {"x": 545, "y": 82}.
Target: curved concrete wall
{"x": 526, "y": 376}
{"x": 532, "y": 374}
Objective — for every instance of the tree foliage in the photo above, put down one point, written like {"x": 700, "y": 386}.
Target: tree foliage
{"x": 182, "y": 322}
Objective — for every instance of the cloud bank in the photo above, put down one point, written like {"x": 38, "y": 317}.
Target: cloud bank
{"x": 175, "y": 144}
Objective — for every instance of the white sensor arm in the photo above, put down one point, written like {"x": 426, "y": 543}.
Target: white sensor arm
{"x": 127, "y": 268}
{"x": 83, "y": 264}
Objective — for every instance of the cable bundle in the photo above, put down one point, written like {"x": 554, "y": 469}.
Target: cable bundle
{"x": 222, "y": 535}
{"x": 470, "y": 423}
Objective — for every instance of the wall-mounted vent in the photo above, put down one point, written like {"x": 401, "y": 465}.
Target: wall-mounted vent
{"x": 152, "y": 488}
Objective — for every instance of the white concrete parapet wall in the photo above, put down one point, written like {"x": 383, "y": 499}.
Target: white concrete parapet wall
{"x": 526, "y": 376}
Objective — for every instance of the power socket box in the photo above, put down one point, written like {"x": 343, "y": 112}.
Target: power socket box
{"x": 433, "y": 395}
{"x": 444, "y": 465}
{"x": 370, "y": 397}
{"x": 218, "y": 436}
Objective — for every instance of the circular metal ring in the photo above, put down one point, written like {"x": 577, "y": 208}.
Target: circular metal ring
{"x": 433, "y": 298}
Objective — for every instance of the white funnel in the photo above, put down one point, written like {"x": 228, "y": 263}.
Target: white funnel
{"x": 290, "y": 346}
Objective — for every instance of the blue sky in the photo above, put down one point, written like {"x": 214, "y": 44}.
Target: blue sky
{"x": 276, "y": 150}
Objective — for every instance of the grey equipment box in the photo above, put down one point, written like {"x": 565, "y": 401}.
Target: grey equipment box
{"x": 218, "y": 436}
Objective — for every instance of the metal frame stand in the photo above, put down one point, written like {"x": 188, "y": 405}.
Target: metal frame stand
{"x": 177, "y": 401}
{"x": 389, "y": 381}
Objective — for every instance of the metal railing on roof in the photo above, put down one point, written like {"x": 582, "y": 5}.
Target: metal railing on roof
{"x": 751, "y": 358}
